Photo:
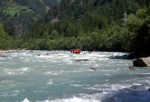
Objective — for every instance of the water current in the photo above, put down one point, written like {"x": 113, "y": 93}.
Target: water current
{"x": 60, "y": 76}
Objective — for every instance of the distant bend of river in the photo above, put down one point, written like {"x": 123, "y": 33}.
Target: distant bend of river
{"x": 60, "y": 76}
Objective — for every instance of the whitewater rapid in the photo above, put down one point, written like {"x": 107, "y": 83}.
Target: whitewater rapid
{"x": 60, "y": 76}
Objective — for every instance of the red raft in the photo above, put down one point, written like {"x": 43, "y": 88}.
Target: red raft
{"x": 76, "y": 51}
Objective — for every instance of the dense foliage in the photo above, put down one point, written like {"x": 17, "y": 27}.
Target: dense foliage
{"x": 112, "y": 25}
{"x": 22, "y": 14}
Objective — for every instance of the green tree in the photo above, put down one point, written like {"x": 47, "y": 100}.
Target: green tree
{"x": 54, "y": 35}
{"x": 138, "y": 26}
{"x": 5, "y": 40}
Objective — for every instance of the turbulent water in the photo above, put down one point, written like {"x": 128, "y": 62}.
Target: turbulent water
{"x": 60, "y": 76}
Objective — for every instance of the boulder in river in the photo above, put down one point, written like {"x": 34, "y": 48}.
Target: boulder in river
{"x": 142, "y": 62}
{"x": 93, "y": 68}
{"x": 148, "y": 89}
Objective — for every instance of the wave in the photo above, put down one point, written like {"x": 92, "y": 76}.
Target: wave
{"x": 60, "y": 72}
{"x": 50, "y": 82}
{"x": 10, "y": 93}
{"x": 25, "y": 100}
{"x": 81, "y": 98}
{"x": 18, "y": 71}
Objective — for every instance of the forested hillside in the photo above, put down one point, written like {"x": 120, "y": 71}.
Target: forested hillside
{"x": 21, "y": 14}
{"x": 112, "y": 25}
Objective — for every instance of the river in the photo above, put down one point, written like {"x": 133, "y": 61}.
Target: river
{"x": 60, "y": 76}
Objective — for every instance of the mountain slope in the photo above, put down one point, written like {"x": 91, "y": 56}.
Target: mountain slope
{"x": 112, "y": 25}
{"x": 95, "y": 25}
{"x": 21, "y": 14}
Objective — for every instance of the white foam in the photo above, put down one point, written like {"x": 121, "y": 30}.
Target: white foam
{"x": 10, "y": 93}
{"x": 95, "y": 97}
{"x": 25, "y": 100}
{"x": 76, "y": 85}
{"x": 116, "y": 87}
{"x": 50, "y": 82}
{"x": 16, "y": 71}
{"x": 75, "y": 99}
{"x": 54, "y": 72}
{"x": 60, "y": 72}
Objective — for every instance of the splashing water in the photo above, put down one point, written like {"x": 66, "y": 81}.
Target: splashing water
{"x": 60, "y": 76}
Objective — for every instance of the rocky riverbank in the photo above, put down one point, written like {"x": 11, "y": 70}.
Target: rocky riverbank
{"x": 142, "y": 62}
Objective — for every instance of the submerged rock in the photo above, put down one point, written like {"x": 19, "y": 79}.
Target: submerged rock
{"x": 43, "y": 54}
{"x": 1, "y": 55}
{"x": 131, "y": 68}
{"x": 79, "y": 60}
{"x": 109, "y": 99}
{"x": 135, "y": 86}
{"x": 142, "y": 62}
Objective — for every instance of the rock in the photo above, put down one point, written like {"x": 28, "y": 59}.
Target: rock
{"x": 131, "y": 56}
{"x": 131, "y": 68}
{"x": 148, "y": 89}
{"x": 79, "y": 60}
{"x": 110, "y": 98}
{"x": 43, "y": 54}
{"x": 93, "y": 68}
{"x": 2, "y": 55}
{"x": 135, "y": 86}
{"x": 142, "y": 62}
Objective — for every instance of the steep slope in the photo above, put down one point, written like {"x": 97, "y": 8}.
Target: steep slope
{"x": 21, "y": 14}
{"x": 94, "y": 25}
